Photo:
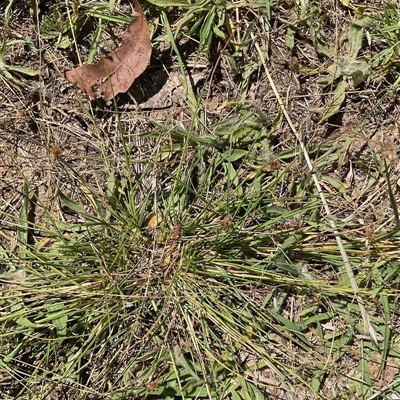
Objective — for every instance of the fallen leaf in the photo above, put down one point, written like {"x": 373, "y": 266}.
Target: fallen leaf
{"x": 115, "y": 73}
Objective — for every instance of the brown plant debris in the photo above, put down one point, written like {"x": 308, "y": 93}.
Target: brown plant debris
{"x": 115, "y": 73}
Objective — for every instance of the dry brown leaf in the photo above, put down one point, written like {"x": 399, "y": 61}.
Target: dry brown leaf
{"x": 153, "y": 220}
{"x": 115, "y": 73}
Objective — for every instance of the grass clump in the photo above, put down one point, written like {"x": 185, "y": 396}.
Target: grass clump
{"x": 187, "y": 249}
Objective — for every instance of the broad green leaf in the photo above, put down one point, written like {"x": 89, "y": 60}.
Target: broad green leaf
{"x": 22, "y": 70}
{"x": 309, "y": 70}
{"x": 318, "y": 317}
{"x": 337, "y": 101}
{"x": 356, "y": 33}
{"x": 366, "y": 22}
{"x": 228, "y": 126}
{"x": 290, "y": 39}
{"x": 319, "y": 40}
{"x": 317, "y": 380}
{"x": 64, "y": 42}
{"x": 234, "y": 154}
{"x": 236, "y": 396}
{"x": 338, "y": 185}
{"x": 20, "y": 312}
{"x": 290, "y": 326}
{"x": 26, "y": 323}
{"x": 72, "y": 205}
{"x": 289, "y": 242}
{"x": 219, "y": 33}
{"x": 59, "y": 316}
{"x": 334, "y": 71}
{"x": 111, "y": 5}
{"x": 359, "y": 70}
{"x": 7, "y": 11}
{"x": 231, "y": 173}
